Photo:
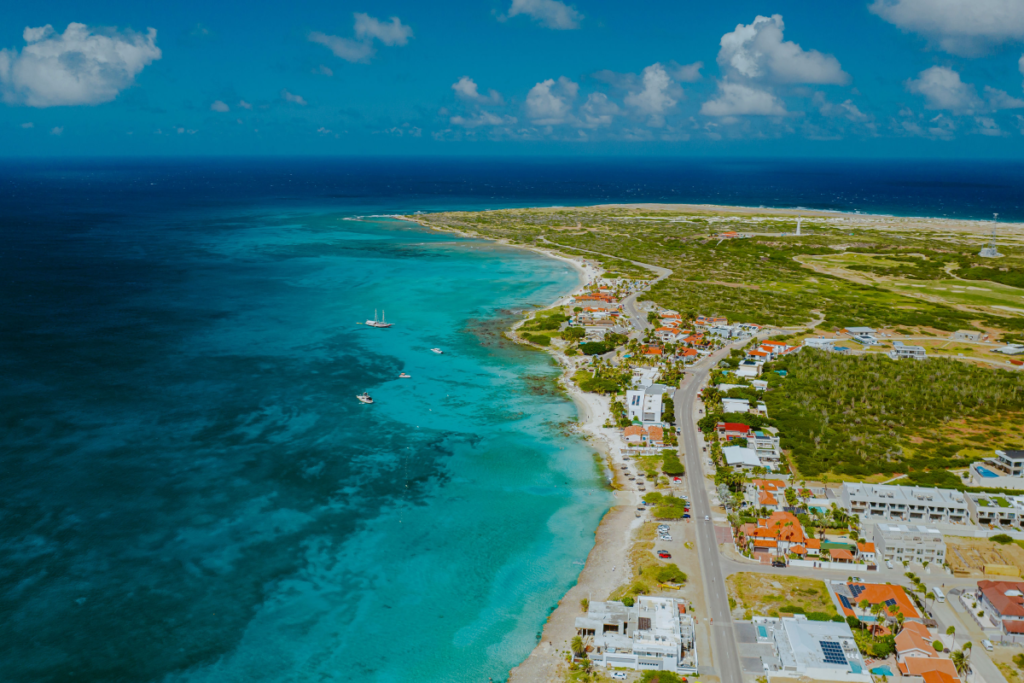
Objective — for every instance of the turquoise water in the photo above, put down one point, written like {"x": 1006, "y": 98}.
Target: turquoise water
{"x": 882, "y": 671}
{"x": 192, "y": 492}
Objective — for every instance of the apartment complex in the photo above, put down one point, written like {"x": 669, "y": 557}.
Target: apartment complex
{"x": 905, "y": 503}
{"x": 909, "y": 543}
{"x": 655, "y": 634}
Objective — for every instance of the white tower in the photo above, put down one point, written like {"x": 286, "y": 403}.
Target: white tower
{"x": 799, "y": 219}
{"x": 991, "y": 251}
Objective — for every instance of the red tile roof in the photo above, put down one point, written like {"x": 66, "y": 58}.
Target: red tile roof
{"x": 840, "y": 554}
{"x": 1013, "y": 625}
{"x": 915, "y": 637}
{"x": 799, "y": 550}
{"x": 866, "y": 547}
{"x": 783, "y": 526}
{"x": 688, "y": 352}
{"x": 653, "y": 351}
{"x": 767, "y": 499}
{"x": 919, "y": 666}
{"x": 634, "y": 430}
{"x": 765, "y": 543}
{"x": 813, "y": 543}
{"x": 875, "y": 593}
{"x": 733, "y": 427}
{"x": 1006, "y": 605}
{"x": 655, "y": 433}
{"x": 939, "y": 677}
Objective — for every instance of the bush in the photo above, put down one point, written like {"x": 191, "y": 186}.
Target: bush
{"x": 538, "y": 339}
{"x": 883, "y": 647}
{"x": 628, "y": 601}
{"x": 671, "y": 465}
{"x": 939, "y": 647}
{"x": 1002, "y": 539}
{"x": 670, "y": 573}
{"x": 853, "y": 622}
{"x": 573, "y": 333}
{"x": 660, "y": 677}
{"x": 595, "y": 348}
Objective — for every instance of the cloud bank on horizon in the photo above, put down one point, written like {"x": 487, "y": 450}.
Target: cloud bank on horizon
{"x": 935, "y": 71}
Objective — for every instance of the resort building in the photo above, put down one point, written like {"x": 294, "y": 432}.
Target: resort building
{"x": 994, "y": 511}
{"x": 903, "y": 543}
{"x": 1004, "y": 471}
{"x": 1003, "y": 604}
{"x": 645, "y": 405}
{"x": 818, "y": 650}
{"x": 905, "y": 503}
{"x": 901, "y": 351}
{"x": 655, "y": 634}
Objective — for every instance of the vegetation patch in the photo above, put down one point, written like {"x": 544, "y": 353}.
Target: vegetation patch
{"x": 769, "y": 594}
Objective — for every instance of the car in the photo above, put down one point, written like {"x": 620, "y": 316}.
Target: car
{"x": 619, "y": 675}
{"x": 664, "y": 554}
{"x": 686, "y": 516}
{"x": 888, "y": 563}
{"x": 707, "y": 518}
{"x": 778, "y": 563}
{"x": 676, "y": 479}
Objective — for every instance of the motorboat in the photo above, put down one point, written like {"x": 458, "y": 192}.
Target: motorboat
{"x": 378, "y": 323}
{"x": 435, "y": 350}
{"x": 364, "y": 398}
{"x": 404, "y": 376}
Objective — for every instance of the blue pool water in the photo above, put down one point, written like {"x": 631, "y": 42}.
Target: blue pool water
{"x": 985, "y": 472}
{"x": 882, "y": 671}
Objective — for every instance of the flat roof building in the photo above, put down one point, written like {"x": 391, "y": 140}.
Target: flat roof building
{"x": 909, "y": 543}
{"x": 822, "y": 650}
{"x": 913, "y": 504}
{"x": 654, "y": 634}
{"x": 901, "y": 351}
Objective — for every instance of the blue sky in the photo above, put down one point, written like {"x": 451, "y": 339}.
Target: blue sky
{"x": 854, "y": 78}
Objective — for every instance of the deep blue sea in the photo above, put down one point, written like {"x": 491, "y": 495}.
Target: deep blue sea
{"x": 189, "y": 490}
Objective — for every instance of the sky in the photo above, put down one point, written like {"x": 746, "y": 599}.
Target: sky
{"x": 862, "y": 78}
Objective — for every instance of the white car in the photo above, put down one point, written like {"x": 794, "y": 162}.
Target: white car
{"x": 888, "y": 563}
{"x": 619, "y": 675}
{"x": 707, "y": 518}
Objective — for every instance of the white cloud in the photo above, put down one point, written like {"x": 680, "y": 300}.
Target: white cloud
{"x": 1020, "y": 64}
{"x": 483, "y": 118}
{"x": 323, "y": 131}
{"x": 550, "y": 13}
{"x": 687, "y": 73}
{"x": 1000, "y": 99}
{"x": 28, "y": 125}
{"x": 942, "y": 88}
{"x": 323, "y": 70}
{"x": 598, "y": 111}
{"x": 466, "y": 88}
{"x": 366, "y": 30}
{"x": 57, "y": 130}
{"x": 961, "y": 27}
{"x": 244, "y": 105}
{"x": 942, "y": 127}
{"x": 757, "y": 51}
{"x": 734, "y": 99}
{"x": 346, "y": 48}
{"x": 220, "y": 106}
{"x": 296, "y": 99}
{"x": 988, "y": 126}
{"x": 549, "y": 102}
{"x": 389, "y": 33}
{"x": 80, "y": 66}
{"x": 654, "y": 99}
{"x": 847, "y": 109}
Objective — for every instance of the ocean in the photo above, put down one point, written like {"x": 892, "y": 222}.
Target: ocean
{"x": 189, "y": 489}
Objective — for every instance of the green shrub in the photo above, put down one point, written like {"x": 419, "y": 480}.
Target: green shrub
{"x": 1002, "y": 539}
{"x": 595, "y": 348}
{"x": 670, "y": 573}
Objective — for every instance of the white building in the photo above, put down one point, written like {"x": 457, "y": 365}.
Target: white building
{"x": 905, "y": 503}
{"x": 819, "y": 650}
{"x": 645, "y": 406}
{"x": 996, "y": 512}
{"x": 735, "y": 405}
{"x": 901, "y": 351}
{"x": 1011, "y": 349}
{"x": 653, "y": 635}
{"x": 749, "y": 369}
{"x": 1005, "y": 471}
{"x": 644, "y": 377}
{"x": 865, "y": 340}
{"x": 910, "y": 543}
{"x": 820, "y": 343}
{"x": 742, "y": 457}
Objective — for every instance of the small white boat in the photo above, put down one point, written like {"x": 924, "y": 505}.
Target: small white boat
{"x": 437, "y": 350}
{"x": 404, "y": 376}
{"x": 378, "y": 323}
{"x": 364, "y": 398}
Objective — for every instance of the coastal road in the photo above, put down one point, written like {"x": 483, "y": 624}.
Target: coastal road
{"x": 727, "y": 661}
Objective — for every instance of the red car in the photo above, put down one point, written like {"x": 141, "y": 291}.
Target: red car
{"x": 664, "y": 554}
{"x": 676, "y": 479}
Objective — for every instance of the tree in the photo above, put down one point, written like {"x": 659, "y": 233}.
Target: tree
{"x": 939, "y": 647}
{"x": 585, "y": 604}
{"x": 951, "y": 631}
{"x": 929, "y": 596}
{"x": 959, "y": 660}
{"x": 577, "y": 646}
{"x": 864, "y": 605}
{"x": 573, "y": 333}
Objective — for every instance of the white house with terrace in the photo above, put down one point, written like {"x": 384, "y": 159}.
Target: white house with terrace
{"x": 913, "y": 504}
{"x": 655, "y": 634}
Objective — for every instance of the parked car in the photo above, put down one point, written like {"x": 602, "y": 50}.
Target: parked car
{"x": 778, "y": 563}
{"x": 618, "y": 675}
{"x": 676, "y": 479}
{"x": 686, "y": 516}
{"x": 664, "y": 554}
{"x": 707, "y": 518}
{"x": 888, "y": 563}
{"x": 987, "y": 644}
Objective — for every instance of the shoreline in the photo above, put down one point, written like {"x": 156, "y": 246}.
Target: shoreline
{"x": 607, "y": 564}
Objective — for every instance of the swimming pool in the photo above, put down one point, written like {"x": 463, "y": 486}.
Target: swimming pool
{"x": 762, "y": 632}
{"x": 985, "y": 472}
{"x": 882, "y": 671}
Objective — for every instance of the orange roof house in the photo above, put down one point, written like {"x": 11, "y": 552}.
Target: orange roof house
{"x": 781, "y": 526}
{"x": 656, "y": 434}
{"x": 767, "y": 499}
{"x": 866, "y": 548}
{"x": 686, "y": 353}
{"x": 840, "y": 554}
{"x": 894, "y": 598}
{"x": 813, "y": 544}
{"x": 915, "y": 641}
{"x": 921, "y": 666}
{"x": 798, "y": 549}
{"x": 653, "y": 351}
{"x": 765, "y": 543}
{"x": 939, "y": 677}
{"x": 773, "y": 343}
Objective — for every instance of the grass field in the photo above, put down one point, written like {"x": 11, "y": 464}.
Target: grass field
{"x": 768, "y": 594}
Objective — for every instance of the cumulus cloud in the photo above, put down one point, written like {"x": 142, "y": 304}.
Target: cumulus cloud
{"x": 220, "y": 106}
{"x": 28, "y": 125}
{"x": 550, "y": 13}
{"x": 1000, "y": 99}
{"x": 466, "y": 88}
{"x": 960, "y": 27}
{"x": 598, "y": 111}
{"x": 757, "y": 51}
{"x": 549, "y": 102}
{"x": 654, "y": 99}
{"x": 686, "y": 73}
{"x": 389, "y": 33}
{"x": 80, "y": 66}
{"x": 988, "y": 126}
{"x": 942, "y": 88}
{"x": 296, "y": 99}
{"x": 323, "y": 70}
{"x": 366, "y": 29}
{"x": 847, "y": 109}
{"x": 57, "y": 130}
{"x": 244, "y": 105}
{"x": 484, "y": 118}
{"x": 735, "y": 99}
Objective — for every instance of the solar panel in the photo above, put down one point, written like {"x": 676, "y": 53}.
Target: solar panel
{"x": 833, "y": 653}
{"x": 891, "y": 602}
{"x": 846, "y": 603}
{"x": 857, "y": 590}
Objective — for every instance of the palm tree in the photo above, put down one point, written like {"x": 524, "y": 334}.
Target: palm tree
{"x": 959, "y": 660}
{"x": 577, "y": 646}
{"x": 928, "y": 596}
{"x": 864, "y": 605}
{"x": 951, "y": 631}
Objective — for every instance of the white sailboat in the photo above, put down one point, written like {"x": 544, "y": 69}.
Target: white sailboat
{"x": 364, "y": 398}
{"x": 378, "y": 323}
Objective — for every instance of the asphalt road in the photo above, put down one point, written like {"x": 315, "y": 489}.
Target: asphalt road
{"x": 727, "y": 661}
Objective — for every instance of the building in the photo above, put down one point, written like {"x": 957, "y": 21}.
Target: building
{"x": 901, "y": 351}
{"x": 749, "y": 368}
{"x": 735, "y": 405}
{"x": 865, "y": 340}
{"x": 994, "y": 511}
{"x": 1010, "y": 463}
{"x": 1003, "y": 604}
{"x": 778, "y": 534}
{"x": 655, "y": 634}
{"x": 915, "y": 640}
{"x": 967, "y": 335}
{"x": 854, "y": 331}
{"x": 852, "y": 595}
{"x": 645, "y": 405}
{"x": 1010, "y": 349}
{"x": 928, "y": 670}
{"x": 1004, "y": 471}
{"x": 732, "y": 430}
{"x": 741, "y": 456}
{"x": 645, "y": 437}
{"x": 905, "y": 503}
{"x": 866, "y": 552}
{"x": 903, "y": 543}
{"x": 820, "y": 343}
{"x": 818, "y": 650}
